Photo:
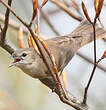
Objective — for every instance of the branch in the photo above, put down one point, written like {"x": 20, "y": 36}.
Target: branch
{"x": 7, "y": 46}
{"x": 3, "y": 42}
{"x": 90, "y": 61}
{"x": 67, "y": 10}
{"x": 95, "y": 64}
{"x": 13, "y": 24}
{"x": 4, "y": 30}
{"x": 98, "y": 7}
{"x": 49, "y": 23}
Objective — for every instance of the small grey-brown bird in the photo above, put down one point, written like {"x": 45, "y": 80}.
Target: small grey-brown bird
{"x": 63, "y": 49}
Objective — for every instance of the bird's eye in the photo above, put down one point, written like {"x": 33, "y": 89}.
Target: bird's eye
{"x": 24, "y": 54}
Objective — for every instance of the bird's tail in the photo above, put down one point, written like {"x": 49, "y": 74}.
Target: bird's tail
{"x": 85, "y": 33}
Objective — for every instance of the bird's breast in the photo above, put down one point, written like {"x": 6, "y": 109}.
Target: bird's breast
{"x": 37, "y": 69}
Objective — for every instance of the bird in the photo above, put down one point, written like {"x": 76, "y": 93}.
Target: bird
{"x": 63, "y": 48}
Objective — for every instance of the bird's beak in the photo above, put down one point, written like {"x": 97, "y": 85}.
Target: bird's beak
{"x": 16, "y": 60}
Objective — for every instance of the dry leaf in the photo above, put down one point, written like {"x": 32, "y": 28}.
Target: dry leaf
{"x": 34, "y": 45}
{"x": 86, "y": 12}
{"x": 96, "y": 3}
{"x": 100, "y": 5}
{"x": 104, "y": 55}
{"x": 35, "y": 6}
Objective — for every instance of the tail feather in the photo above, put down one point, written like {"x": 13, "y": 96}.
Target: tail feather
{"x": 85, "y": 30}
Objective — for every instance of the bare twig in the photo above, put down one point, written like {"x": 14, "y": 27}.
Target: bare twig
{"x": 7, "y": 46}
{"x": 3, "y": 33}
{"x": 67, "y": 10}
{"x": 98, "y": 7}
{"x": 90, "y": 61}
{"x": 43, "y": 4}
{"x": 13, "y": 24}
{"x": 49, "y": 23}
{"x": 76, "y": 6}
{"x": 3, "y": 42}
{"x": 38, "y": 20}
{"x": 95, "y": 65}
{"x": 93, "y": 71}
{"x": 71, "y": 4}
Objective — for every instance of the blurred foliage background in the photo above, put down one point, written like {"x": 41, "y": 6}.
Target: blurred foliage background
{"x": 18, "y": 91}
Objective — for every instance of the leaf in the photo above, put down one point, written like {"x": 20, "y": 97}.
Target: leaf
{"x": 96, "y": 3}
{"x": 100, "y": 5}
{"x": 34, "y": 44}
{"x": 35, "y": 6}
{"x": 86, "y": 12}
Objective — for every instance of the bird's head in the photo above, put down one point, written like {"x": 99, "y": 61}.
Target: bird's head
{"x": 23, "y": 57}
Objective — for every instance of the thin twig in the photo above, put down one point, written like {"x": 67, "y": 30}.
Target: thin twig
{"x": 71, "y": 4}
{"x": 45, "y": 16}
{"x": 90, "y": 61}
{"x": 38, "y": 20}
{"x": 91, "y": 77}
{"x": 13, "y": 24}
{"x": 3, "y": 42}
{"x": 67, "y": 10}
{"x": 3, "y": 33}
{"x": 97, "y": 10}
{"x": 77, "y": 7}
{"x": 14, "y": 13}
{"x": 7, "y": 46}
{"x": 94, "y": 40}
{"x": 95, "y": 63}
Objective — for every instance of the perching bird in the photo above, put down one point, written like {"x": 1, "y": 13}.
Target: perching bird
{"x": 63, "y": 49}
